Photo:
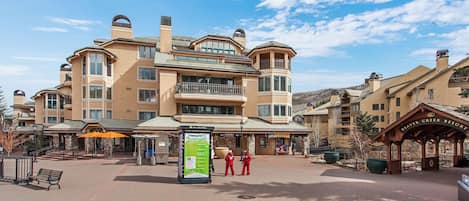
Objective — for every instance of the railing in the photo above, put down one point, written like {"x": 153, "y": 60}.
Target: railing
{"x": 458, "y": 79}
{"x": 208, "y": 88}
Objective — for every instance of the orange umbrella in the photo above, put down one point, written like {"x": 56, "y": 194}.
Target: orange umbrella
{"x": 111, "y": 134}
{"x": 90, "y": 135}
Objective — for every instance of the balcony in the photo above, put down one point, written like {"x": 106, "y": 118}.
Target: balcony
{"x": 210, "y": 92}
{"x": 67, "y": 102}
{"x": 201, "y": 118}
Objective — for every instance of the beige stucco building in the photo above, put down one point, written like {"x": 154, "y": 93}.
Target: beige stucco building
{"x": 213, "y": 80}
{"x": 388, "y": 99}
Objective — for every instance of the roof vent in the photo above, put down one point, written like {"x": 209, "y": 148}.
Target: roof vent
{"x": 166, "y": 20}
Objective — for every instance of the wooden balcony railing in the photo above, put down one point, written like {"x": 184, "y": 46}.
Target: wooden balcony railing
{"x": 209, "y": 89}
{"x": 458, "y": 79}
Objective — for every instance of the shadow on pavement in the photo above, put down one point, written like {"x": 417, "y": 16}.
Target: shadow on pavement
{"x": 147, "y": 179}
{"x": 337, "y": 191}
{"x": 34, "y": 187}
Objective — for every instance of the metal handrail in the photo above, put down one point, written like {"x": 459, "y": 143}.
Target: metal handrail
{"x": 209, "y": 88}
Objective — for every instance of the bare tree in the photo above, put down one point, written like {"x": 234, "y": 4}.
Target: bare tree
{"x": 7, "y": 139}
{"x": 364, "y": 125}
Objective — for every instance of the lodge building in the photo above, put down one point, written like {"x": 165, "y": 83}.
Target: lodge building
{"x": 389, "y": 99}
{"x": 154, "y": 85}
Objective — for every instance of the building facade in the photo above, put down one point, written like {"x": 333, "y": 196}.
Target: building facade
{"x": 214, "y": 80}
{"x": 388, "y": 99}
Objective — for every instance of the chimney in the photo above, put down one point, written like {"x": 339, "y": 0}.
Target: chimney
{"x": 374, "y": 82}
{"x": 166, "y": 36}
{"x": 240, "y": 36}
{"x": 335, "y": 99}
{"x": 441, "y": 60}
{"x": 309, "y": 107}
{"x": 65, "y": 73}
{"x": 18, "y": 97}
{"x": 121, "y": 27}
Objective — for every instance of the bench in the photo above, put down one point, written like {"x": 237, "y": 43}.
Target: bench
{"x": 50, "y": 176}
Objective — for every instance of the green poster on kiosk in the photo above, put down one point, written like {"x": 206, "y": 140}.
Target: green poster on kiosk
{"x": 196, "y": 155}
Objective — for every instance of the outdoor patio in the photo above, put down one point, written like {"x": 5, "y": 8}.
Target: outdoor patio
{"x": 273, "y": 178}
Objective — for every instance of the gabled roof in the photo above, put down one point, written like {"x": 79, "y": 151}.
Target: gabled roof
{"x": 321, "y": 110}
{"x": 212, "y": 36}
{"x": 411, "y": 81}
{"x": 91, "y": 48}
{"x": 441, "y": 73}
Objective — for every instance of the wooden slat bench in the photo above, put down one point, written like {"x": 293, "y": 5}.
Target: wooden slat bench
{"x": 50, "y": 176}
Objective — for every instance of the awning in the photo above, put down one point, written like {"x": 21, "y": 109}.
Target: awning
{"x": 281, "y": 135}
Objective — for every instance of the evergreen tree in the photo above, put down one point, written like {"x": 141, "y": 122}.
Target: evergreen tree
{"x": 365, "y": 123}
{"x": 463, "y": 109}
{"x": 3, "y": 103}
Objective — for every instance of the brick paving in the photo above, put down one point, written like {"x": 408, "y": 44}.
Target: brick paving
{"x": 273, "y": 178}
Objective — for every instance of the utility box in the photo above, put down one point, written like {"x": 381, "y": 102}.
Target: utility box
{"x": 195, "y": 155}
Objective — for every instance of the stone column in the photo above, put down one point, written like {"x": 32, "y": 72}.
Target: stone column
{"x": 252, "y": 144}
{"x": 307, "y": 144}
{"x": 68, "y": 142}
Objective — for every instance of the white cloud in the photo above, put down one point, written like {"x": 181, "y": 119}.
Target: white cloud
{"x": 326, "y": 37}
{"x": 12, "y": 70}
{"x": 319, "y": 79}
{"x": 35, "y": 58}
{"x": 50, "y": 29}
{"x": 72, "y": 22}
{"x": 424, "y": 52}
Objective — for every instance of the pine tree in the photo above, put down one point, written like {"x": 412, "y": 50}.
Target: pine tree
{"x": 364, "y": 126}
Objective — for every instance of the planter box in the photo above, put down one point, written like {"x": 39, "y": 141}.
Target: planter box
{"x": 376, "y": 166}
{"x": 331, "y": 157}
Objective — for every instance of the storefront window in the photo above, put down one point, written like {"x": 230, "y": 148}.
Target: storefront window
{"x": 263, "y": 142}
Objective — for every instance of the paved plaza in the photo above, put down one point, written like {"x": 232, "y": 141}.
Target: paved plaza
{"x": 273, "y": 178}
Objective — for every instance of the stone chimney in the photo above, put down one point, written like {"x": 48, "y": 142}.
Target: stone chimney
{"x": 121, "y": 27}
{"x": 442, "y": 57}
{"x": 240, "y": 36}
{"x": 309, "y": 107}
{"x": 65, "y": 73}
{"x": 166, "y": 36}
{"x": 374, "y": 82}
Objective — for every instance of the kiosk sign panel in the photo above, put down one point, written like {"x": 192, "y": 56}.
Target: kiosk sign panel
{"x": 196, "y": 155}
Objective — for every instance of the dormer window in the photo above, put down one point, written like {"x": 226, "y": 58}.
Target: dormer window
{"x": 218, "y": 47}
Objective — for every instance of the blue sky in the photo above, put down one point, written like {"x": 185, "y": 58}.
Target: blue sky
{"x": 339, "y": 42}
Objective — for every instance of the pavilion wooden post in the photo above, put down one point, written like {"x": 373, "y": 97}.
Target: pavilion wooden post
{"x": 437, "y": 148}
{"x": 389, "y": 156}
{"x": 424, "y": 150}
{"x": 461, "y": 147}
{"x": 455, "y": 152}
{"x": 399, "y": 155}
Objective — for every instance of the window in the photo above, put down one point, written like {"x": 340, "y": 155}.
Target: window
{"x": 83, "y": 89}
{"x": 375, "y": 118}
{"x": 146, "y": 73}
{"x": 51, "y": 120}
{"x": 21, "y": 124}
{"x": 289, "y": 111}
{"x": 264, "y": 83}
{"x": 84, "y": 114}
{"x": 207, "y": 109}
{"x": 375, "y": 107}
{"x": 355, "y": 107}
{"x": 62, "y": 119}
{"x": 263, "y": 110}
{"x": 196, "y": 59}
{"x": 146, "y": 115}
{"x": 83, "y": 65}
{"x": 398, "y": 101}
{"x": 279, "y": 60}
{"x": 218, "y": 47}
{"x": 109, "y": 93}
{"x": 96, "y": 114}
{"x": 96, "y": 92}
{"x": 96, "y": 64}
{"x": 382, "y": 118}
{"x": 280, "y": 110}
{"x": 238, "y": 141}
{"x": 289, "y": 84}
{"x": 382, "y": 106}
{"x": 51, "y": 101}
{"x": 145, "y": 52}
{"x": 61, "y": 102}
{"x": 147, "y": 95}
{"x": 280, "y": 83}
{"x": 430, "y": 94}
{"x": 108, "y": 66}
{"x": 398, "y": 115}
{"x": 109, "y": 114}
{"x": 263, "y": 142}
{"x": 265, "y": 61}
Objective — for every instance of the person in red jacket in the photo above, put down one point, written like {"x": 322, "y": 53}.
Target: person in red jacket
{"x": 229, "y": 159}
{"x": 246, "y": 163}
